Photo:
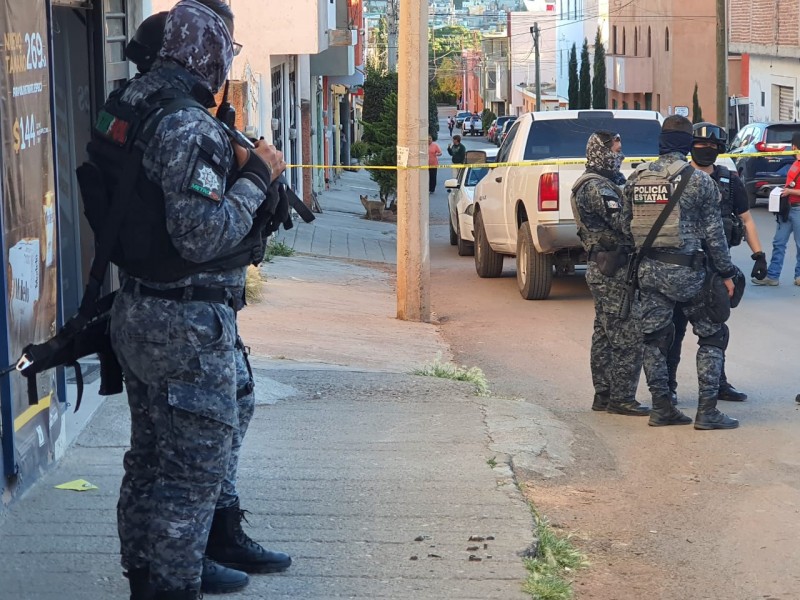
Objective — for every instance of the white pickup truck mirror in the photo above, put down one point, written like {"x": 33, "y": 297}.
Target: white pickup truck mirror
{"x": 475, "y": 157}
{"x": 451, "y": 184}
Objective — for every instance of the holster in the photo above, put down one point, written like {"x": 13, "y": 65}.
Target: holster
{"x": 610, "y": 261}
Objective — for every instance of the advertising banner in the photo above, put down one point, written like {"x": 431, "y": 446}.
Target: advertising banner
{"x": 29, "y": 220}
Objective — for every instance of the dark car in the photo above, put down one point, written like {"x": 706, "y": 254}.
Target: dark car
{"x": 760, "y": 174}
{"x": 499, "y": 122}
{"x": 503, "y": 131}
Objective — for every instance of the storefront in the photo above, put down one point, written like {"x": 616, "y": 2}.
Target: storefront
{"x": 60, "y": 59}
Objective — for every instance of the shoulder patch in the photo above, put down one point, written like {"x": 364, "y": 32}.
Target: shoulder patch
{"x": 206, "y": 181}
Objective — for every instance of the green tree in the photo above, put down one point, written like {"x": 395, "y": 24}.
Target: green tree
{"x": 574, "y": 86}
{"x": 697, "y": 112}
{"x": 382, "y": 146}
{"x": 599, "y": 94}
{"x": 487, "y": 116}
{"x": 378, "y": 84}
{"x": 585, "y": 81}
{"x": 433, "y": 116}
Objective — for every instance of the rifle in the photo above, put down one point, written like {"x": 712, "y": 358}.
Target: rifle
{"x": 631, "y": 285}
{"x": 226, "y": 115}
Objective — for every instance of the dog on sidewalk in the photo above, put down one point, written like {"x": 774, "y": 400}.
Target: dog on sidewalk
{"x": 374, "y": 208}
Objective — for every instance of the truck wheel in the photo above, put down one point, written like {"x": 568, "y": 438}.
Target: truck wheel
{"x": 534, "y": 270}
{"x": 488, "y": 263}
{"x": 465, "y": 248}
{"x": 453, "y": 234}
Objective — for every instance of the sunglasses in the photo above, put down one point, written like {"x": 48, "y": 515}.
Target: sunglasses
{"x": 237, "y": 48}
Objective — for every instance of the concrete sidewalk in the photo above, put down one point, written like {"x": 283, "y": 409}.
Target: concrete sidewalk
{"x": 374, "y": 480}
{"x": 341, "y": 230}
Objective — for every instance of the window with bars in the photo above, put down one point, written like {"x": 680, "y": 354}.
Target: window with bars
{"x": 277, "y": 105}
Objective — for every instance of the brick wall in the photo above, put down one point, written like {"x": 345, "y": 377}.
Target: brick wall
{"x": 764, "y": 22}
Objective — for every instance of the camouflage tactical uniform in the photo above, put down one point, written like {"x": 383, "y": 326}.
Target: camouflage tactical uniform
{"x": 179, "y": 357}
{"x": 616, "y": 353}
{"x": 663, "y": 284}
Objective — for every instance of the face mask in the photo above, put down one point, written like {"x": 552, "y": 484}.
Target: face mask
{"x": 618, "y": 158}
{"x": 705, "y": 157}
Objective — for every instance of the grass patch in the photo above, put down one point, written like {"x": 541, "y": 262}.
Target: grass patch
{"x": 492, "y": 462}
{"x": 474, "y": 375}
{"x": 253, "y": 291}
{"x": 277, "y": 248}
{"x": 549, "y": 571}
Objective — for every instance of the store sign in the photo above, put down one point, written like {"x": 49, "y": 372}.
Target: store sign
{"x": 29, "y": 217}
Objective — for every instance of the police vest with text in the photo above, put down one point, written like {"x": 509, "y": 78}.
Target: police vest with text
{"x": 143, "y": 247}
{"x": 651, "y": 192}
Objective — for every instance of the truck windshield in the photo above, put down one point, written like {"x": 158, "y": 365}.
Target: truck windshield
{"x": 566, "y": 138}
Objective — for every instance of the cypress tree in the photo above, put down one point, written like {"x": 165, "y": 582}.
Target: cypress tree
{"x": 585, "y": 81}
{"x": 574, "y": 91}
{"x": 697, "y": 112}
{"x": 599, "y": 95}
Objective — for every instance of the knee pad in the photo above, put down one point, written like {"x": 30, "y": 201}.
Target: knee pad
{"x": 717, "y": 340}
{"x": 662, "y": 338}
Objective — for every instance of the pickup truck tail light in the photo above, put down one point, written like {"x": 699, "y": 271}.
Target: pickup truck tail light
{"x": 548, "y": 192}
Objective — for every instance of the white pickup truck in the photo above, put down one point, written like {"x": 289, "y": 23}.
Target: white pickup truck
{"x": 525, "y": 211}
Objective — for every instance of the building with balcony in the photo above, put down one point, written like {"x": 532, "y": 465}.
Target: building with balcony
{"x": 495, "y": 92}
{"x": 653, "y": 56}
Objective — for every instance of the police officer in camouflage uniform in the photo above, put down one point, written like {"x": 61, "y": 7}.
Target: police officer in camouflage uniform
{"x": 173, "y": 321}
{"x": 709, "y": 141}
{"x": 674, "y": 271}
{"x": 227, "y": 542}
{"x": 616, "y": 354}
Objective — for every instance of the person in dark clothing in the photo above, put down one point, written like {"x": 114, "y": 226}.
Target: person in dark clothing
{"x": 709, "y": 141}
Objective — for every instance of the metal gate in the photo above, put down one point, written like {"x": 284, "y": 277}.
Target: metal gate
{"x": 785, "y": 103}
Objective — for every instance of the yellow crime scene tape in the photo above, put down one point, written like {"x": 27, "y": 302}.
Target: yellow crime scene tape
{"x": 524, "y": 163}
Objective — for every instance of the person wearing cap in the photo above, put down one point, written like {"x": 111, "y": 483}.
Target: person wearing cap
{"x": 709, "y": 141}
{"x": 616, "y": 351}
{"x": 788, "y": 223}
{"x": 673, "y": 270}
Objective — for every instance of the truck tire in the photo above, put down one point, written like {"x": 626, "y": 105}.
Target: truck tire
{"x": 534, "y": 270}
{"x": 453, "y": 234}
{"x": 488, "y": 263}
{"x": 465, "y": 248}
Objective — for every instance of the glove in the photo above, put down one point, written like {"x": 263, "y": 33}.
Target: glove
{"x": 760, "y": 268}
{"x": 277, "y": 209}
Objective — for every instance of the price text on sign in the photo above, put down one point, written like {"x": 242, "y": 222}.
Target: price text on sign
{"x": 27, "y": 133}
{"x": 24, "y": 52}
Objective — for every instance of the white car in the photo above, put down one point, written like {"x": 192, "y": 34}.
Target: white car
{"x": 459, "y": 199}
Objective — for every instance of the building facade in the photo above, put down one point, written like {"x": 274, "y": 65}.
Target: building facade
{"x": 767, "y": 35}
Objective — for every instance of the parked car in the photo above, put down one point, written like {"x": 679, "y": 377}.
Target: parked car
{"x": 504, "y": 131}
{"x": 459, "y": 199}
{"x": 525, "y": 211}
{"x": 499, "y": 123}
{"x": 460, "y": 116}
{"x": 760, "y": 174}
{"x": 473, "y": 126}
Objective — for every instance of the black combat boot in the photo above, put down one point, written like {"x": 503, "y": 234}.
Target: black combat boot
{"x": 217, "y": 579}
{"x": 708, "y": 417}
{"x": 664, "y": 413}
{"x": 139, "y": 580}
{"x": 232, "y": 547}
{"x": 600, "y": 402}
{"x": 730, "y": 393}
{"x": 630, "y": 407}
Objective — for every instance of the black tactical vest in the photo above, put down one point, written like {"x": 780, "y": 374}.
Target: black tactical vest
{"x": 734, "y": 228}
{"x": 143, "y": 247}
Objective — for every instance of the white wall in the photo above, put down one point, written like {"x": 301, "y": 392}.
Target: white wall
{"x": 523, "y": 65}
{"x": 764, "y": 73}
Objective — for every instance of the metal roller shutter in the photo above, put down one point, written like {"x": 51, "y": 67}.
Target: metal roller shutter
{"x": 785, "y": 103}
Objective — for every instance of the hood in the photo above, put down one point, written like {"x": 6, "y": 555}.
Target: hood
{"x": 599, "y": 157}
{"x": 196, "y": 38}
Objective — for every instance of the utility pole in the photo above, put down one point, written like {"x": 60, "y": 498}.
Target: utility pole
{"x": 391, "y": 35}
{"x": 535, "y": 33}
{"x": 722, "y": 64}
{"x": 413, "y": 251}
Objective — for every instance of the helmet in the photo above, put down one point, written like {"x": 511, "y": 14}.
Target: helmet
{"x": 145, "y": 44}
{"x": 710, "y": 133}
